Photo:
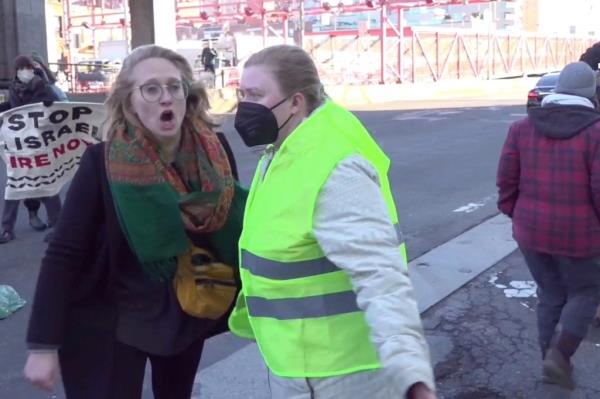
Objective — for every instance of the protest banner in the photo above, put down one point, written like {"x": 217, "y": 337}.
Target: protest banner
{"x": 42, "y": 145}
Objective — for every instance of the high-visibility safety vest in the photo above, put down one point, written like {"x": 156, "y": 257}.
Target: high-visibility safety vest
{"x": 299, "y": 306}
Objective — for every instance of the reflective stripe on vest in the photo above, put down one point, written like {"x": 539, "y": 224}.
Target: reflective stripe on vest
{"x": 303, "y": 308}
{"x": 289, "y": 270}
{"x": 284, "y": 271}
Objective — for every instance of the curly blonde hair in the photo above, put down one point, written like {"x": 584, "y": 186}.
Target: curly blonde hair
{"x": 118, "y": 102}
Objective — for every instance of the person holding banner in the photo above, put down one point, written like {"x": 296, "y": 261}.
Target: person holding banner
{"x": 28, "y": 87}
{"x": 33, "y": 204}
{"x": 39, "y": 63}
{"x": 142, "y": 205}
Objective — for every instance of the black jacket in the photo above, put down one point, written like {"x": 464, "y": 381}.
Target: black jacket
{"x": 562, "y": 121}
{"x": 592, "y": 56}
{"x": 208, "y": 56}
{"x": 89, "y": 269}
{"x": 36, "y": 91}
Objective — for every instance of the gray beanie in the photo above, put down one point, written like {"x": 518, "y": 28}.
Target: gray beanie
{"x": 577, "y": 79}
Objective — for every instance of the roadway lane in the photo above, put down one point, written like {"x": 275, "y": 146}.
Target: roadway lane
{"x": 443, "y": 159}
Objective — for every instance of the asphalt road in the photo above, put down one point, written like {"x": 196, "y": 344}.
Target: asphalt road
{"x": 443, "y": 159}
{"x": 443, "y": 169}
{"x": 483, "y": 339}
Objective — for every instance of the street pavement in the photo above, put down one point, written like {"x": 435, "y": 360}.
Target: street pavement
{"x": 483, "y": 345}
{"x": 444, "y": 157}
{"x": 484, "y": 340}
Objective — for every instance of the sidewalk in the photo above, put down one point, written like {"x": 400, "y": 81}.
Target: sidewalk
{"x": 487, "y": 339}
{"x": 373, "y": 97}
{"x": 483, "y": 345}
{"x": 357, "y": 97}
{"x": 478, "y": 309}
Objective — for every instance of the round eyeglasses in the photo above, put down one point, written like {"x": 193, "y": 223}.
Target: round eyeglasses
{"x": 153, "y": 92}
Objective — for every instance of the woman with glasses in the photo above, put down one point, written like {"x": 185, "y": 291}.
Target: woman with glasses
{"x": 160, "y": 185}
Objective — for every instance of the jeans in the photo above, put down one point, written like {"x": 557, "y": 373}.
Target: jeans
{"x": 568, "y": 292}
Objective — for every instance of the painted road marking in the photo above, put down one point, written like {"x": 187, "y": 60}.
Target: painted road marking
{"x": 449, "y": 112}
{"x": 419, "y": 118}
{"x": 470, "y": 207}
{"x": 473, "y": 206}
{"x": 428, "y": 116}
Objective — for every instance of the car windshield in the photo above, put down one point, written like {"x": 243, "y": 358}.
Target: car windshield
{"x": 548, "y": 80}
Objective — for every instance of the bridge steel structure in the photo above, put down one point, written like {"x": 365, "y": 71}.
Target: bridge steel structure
{"x": 388, "y": 53}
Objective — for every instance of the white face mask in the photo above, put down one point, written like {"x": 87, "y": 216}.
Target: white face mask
{"x": 25, "y": 75}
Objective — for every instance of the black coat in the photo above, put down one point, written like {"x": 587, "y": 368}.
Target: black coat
{"x": 592, "y": 56}
{"x": 75, "y": 304}
{"x": 208, "y": 56}
{"x": 37, "y": 90}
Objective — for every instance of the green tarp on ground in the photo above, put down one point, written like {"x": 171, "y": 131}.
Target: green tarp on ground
{"x": 10, "y": 301}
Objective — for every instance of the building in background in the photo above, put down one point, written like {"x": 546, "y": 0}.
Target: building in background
{"x": 57, "y": 45}
{"x": 88, "y": 35}
{"x": 531, "y": 15}
{"x": 77, "y": 28}
{"x": 91, "y": 29}
{"x": 579, "y": 18}
{"x": 498, "y": 15}
{"x": 87, "y": 41}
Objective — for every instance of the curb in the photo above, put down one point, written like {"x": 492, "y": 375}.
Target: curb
{"x": 438, "y": 273}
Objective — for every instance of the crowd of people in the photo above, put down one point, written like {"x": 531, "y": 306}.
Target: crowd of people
{"x": 159, "y": 247}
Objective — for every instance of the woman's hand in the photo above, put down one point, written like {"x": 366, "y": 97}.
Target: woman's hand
{"x": 42, "y": 369}
{"x": 420, "y": 391}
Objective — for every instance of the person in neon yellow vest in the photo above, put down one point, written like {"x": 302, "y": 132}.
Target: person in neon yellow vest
{"x": 325, "y": 289}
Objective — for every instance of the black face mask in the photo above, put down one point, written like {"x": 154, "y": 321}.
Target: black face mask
{"x": 256, "y": 124}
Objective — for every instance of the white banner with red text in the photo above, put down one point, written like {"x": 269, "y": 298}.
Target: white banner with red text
{"x": 42, "y": 145}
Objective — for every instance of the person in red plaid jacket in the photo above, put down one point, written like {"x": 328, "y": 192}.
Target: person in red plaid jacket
{"x": 549, "y": 185}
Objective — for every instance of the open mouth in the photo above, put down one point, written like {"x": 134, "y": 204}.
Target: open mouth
{"x": 167, "y": 116}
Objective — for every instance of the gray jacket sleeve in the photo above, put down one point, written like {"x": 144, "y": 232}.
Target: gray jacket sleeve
{"x": 353, "y": 227}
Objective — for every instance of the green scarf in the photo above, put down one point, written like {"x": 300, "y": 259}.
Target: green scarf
{"x": 156, "y": 202}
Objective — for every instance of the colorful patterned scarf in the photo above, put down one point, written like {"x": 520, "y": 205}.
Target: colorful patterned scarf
{"x": 156, "y": 202}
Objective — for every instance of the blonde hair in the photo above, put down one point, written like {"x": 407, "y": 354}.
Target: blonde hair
{"x": 294, "y": 72}
{"x": 118, "y": 102}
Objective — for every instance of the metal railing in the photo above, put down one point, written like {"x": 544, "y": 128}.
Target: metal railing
{"x": 85, "y": 77}
{"x": 97, "y": 77}
{"x": 400, "y": 56}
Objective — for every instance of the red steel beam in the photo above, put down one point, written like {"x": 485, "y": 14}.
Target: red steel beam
{"x": 259, "y": 10}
